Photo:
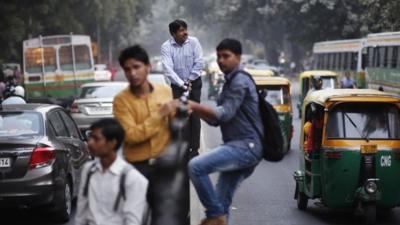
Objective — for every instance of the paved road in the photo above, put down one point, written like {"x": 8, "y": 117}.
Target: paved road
{"x": 265, "y": 198}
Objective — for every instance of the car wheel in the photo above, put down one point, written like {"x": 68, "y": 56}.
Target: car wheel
{"x": 64, "y": 214}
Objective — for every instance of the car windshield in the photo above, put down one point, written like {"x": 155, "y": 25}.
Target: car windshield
{"x": 101, "y": 91}
{"x": 276, "y": 95}
{"x": 363, "y": 121}
{"x": 20, "y": 124}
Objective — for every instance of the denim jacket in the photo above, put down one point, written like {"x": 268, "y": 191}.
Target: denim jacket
{"x": 239, "y": 97}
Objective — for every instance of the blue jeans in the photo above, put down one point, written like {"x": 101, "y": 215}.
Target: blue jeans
{"x": 234, "y": 164}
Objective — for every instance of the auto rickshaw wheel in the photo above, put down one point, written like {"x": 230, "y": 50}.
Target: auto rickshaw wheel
{"x": 369, "y": 213}
{"x": 302, "y": 199}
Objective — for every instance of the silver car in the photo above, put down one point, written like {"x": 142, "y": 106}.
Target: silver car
{"x": 95, "y": 102}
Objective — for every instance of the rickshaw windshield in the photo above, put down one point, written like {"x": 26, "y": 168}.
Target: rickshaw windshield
{"x": 363, "y": 121}
{"x": 328, "y": 82}
{"x": 276, "y": 95}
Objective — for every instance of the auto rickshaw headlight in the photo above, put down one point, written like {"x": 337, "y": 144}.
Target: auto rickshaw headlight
{"x": 371, "y": 187}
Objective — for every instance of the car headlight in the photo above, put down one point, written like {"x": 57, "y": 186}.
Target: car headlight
{"x": 371, "y": 187}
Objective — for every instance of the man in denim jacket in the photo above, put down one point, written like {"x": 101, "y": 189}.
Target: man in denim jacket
{"x": 242, "y": 149}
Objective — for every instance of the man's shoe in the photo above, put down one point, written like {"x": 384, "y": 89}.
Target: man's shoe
{"x": 219, "y": 220}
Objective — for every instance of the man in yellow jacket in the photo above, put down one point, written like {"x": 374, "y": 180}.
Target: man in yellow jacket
{"x": 144, "y": 110}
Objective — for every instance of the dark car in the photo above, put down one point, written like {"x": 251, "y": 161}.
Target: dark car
{"x": 41, "y": 155}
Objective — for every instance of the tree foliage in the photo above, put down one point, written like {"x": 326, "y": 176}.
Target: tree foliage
{"x": 111, "y": 21}
{"x": 299, "y": 22}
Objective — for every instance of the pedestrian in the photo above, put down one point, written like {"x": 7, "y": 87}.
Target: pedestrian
{"x": 111, "y": 190}
{"x": 18, "y": 76}
{"x": 144, "y": 110}
{"x": 182, "y": 60}
{"x": 347, "y": 81}
{"x": 241, "y": 150}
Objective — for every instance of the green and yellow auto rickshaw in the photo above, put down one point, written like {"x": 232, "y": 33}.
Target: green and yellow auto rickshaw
{"x": 278, "y": 95}
{"x": 350, "y": 151}
{"x": 329, "y": 81}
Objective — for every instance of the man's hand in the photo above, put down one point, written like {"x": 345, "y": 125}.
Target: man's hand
{"x": 169, "y": 108}
{"x": 187, "y": 86}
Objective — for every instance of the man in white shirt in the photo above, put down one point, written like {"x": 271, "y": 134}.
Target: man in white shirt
{"x": 111, "y": 191}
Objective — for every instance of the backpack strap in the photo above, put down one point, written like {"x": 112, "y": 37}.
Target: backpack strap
{"x": 122, "y": 187}
{"x": 91, "y": 171}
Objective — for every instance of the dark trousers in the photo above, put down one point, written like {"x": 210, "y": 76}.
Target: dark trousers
{"x": 194, "y": 125}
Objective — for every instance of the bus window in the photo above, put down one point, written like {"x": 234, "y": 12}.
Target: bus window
{"x": 82, "y": 57}
{"x": 338, "y": 59}
{"x": 317, "y": 61}
{"x": 389, "y": 54}
{"x": 382, "y": 54}
{"x": 333, "y": 62}
{"x": 354, "y": 61}
{"x": 370, "y": 62}
{"x": 33, "y": 60}
{"x": 320, "y": 61}
{"x": 325, "y": 62}
{"x": 65, "y": 53}
{"x": 395, "y": 56}
{"x": 345, "y": 61}
{"x": 386, "y": 58}
{"x": 342, "y": 60}
{"x": 376, "y": 57}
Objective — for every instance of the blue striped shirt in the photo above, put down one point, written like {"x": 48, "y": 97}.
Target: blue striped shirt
{"x": 184, "y": 62}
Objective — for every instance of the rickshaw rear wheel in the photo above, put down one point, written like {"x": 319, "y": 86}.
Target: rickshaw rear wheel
{"x": 369, "y": 213}
{"x": 302, "y": 200}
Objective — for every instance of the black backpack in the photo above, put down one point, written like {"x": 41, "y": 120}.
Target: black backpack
{"x": 272, "y": 140}
{"x": 122, "y": 190}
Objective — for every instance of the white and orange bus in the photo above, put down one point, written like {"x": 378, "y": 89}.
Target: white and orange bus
{"x": 56, "y": 66}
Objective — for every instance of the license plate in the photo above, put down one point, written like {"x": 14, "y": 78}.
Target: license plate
{"x": 5, "y": 162}
{"x": 369, "y": 149}
{"x": 100, "y": 109}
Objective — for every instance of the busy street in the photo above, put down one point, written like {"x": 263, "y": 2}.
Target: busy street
{"x": 265, "y": 198}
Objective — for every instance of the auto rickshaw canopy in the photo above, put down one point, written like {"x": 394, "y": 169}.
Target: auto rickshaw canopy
{"x": 271, "y": 81}
{"x": 321, "y": 73}
{"x": 258, "y": 72}
{"x": 322, "y": 97}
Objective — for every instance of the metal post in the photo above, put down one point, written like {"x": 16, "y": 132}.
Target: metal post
{"x": 43, "y": 69}
{"x": 73, "y": 64}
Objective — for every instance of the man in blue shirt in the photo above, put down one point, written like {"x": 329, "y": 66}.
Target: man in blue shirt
{"x": 242, "y": 149}
{"x": 347, "y": 81}
{"x": 182, "y": 60}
